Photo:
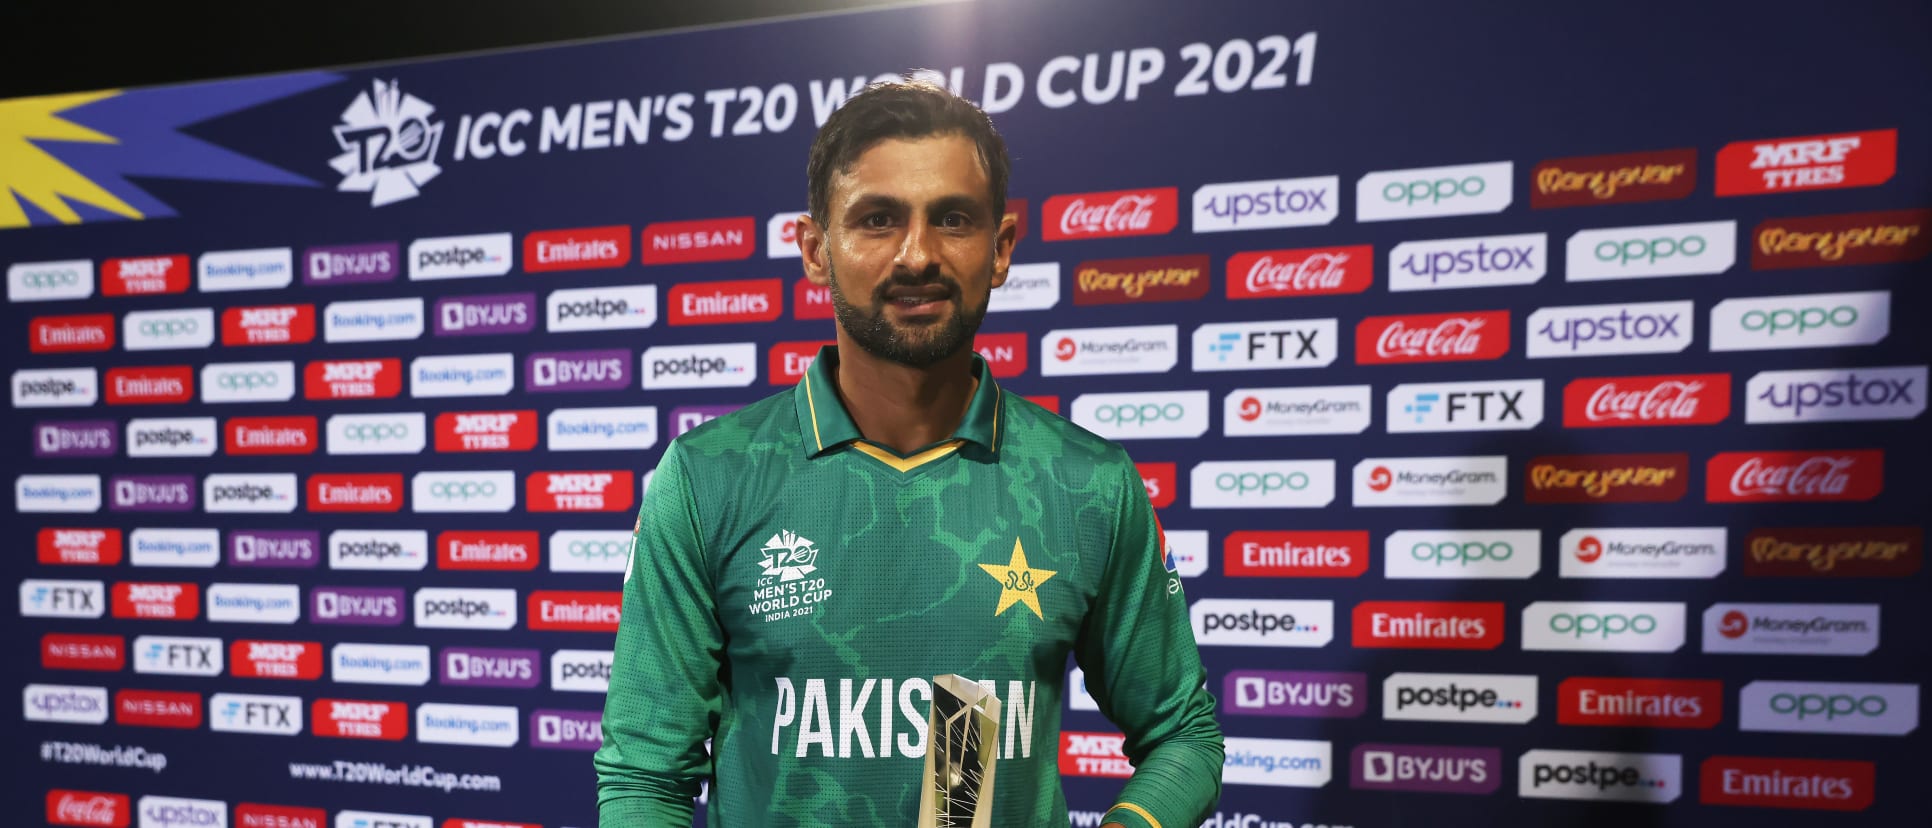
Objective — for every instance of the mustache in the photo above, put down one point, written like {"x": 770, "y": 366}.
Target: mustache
{"x": 907, "y": 279}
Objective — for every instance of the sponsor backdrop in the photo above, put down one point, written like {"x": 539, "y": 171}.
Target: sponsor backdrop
{"x": 1537, "y": 419}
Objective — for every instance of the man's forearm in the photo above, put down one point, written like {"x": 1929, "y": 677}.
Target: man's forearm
{"x": 1176, "y": 786}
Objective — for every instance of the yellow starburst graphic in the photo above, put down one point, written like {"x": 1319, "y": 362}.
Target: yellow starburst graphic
{"x": 31, "y": 174}
{"x": 1019, "y": 582}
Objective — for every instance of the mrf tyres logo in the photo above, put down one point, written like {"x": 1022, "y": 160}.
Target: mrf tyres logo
{"x": 1614, "y": 777}
{"x": 389, "y": 144}
{"x": 1809, "y": 162}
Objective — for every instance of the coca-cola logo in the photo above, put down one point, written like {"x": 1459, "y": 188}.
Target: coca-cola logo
{"x": 1668, "y": 399}
{"x": 1108, "y": 214}
{"x": 1795, "y": 476}
{"x": 1440, "y": 337}
{"x": 1318, "y": 271}
{"x": 89, "y": 808}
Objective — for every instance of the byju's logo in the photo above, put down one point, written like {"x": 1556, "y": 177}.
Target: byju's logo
{"x": 76, "y": 438}
{"x": 1614, "y": 777}
{"x": 389, "y": 144}
{"x": 1282, "y": 693}
{"x": 1427, "y": 768}
{"x": 1459, "y": 697}
{"x": 569, "y": 729}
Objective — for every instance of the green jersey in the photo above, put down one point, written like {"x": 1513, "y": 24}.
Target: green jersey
{"x": 793, "y": 589}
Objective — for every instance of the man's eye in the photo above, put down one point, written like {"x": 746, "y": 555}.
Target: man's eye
{"x": 877, "y": 221}
{"x": 954, "y": 220}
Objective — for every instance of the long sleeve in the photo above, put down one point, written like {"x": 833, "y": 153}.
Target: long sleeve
{"x": 1145, "y": 673}
{"x": 666, "y": 695}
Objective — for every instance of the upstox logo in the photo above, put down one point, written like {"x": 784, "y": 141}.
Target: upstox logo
{"x": 1262, "y": 484}
{"x": 1462, "y": 554}
{"x": 1836, "y": 394}
{"x": 1697, "y": 249}
{"x": 1151, "y": 415}
{"x": 460, "y": 257}
{"x": 1459, "y": 697}
{"x": 1829, "y": 707}
{"x": 1613, "y": 777}
{"x": 1602, "y": 330}
{"x": 1604, "y": 626}
{"x": 1429, "y": 192}
{"x": 1263, "y": 623}
{"x": 1484, "y": 261}
{"x": 489, "y": 491}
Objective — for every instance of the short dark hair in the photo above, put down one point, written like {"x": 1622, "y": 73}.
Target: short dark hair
{"x": 900, "y": 109}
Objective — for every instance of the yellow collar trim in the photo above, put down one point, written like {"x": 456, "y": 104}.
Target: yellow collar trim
{"x": 906, "y": 464}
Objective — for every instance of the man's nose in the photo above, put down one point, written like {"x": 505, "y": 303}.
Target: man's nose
{"x": 915, "y": 254}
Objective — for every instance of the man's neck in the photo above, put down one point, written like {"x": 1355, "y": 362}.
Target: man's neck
{"x": 901, "y": 407}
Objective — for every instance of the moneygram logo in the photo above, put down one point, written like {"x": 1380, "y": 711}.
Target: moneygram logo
{"x": 346, "y": 719}
{"x": 601, "y": 429}
{"x": 1847, "y": 239}
{"x": 1462, "y": 554}
{"x": 575, "y": 611}
{"x": 1600, "y": 330}
{"x": 1889, "y": 393}
{"x": 602, "y": 370}
{"x": 71, "y": 334}
{"x": 1262, "y": 484}
{"x": 150, "y": 385}
{"x": 168, "y": 329}
{"x": 1250, "y": 346}
{"x": 388, "y": 144}
{"x": 246, "y": 713}
{"x": 398, "y": 433}
{"x": 1432, "y": 337}
{"x": 1606, "y": 478}
{"x": 1810, "y": 784}
{"x": 1263, "y": 623}
{"x": 391, "y": 549}
{"x": 1829, "y": 707}
{"x": 1265, "y": 205}
{"x": 1792, "y": 629}
{"x": 255, "y": 603}
{"x": 729, "y": 365}
{"x": 1428, "y": 625}
{"x": 1303, "y": 694}
{"x": 715, "y": 303}
{"x": 1111, "y": 214}
{"x": 105, "y": 653}
{"x": 1655, "y": 400}
{"x": 375, "y": 320}
{"x": 50, "y": 281}
{"x": 1635, "y": 702}
{"x": 1608, "y": 626}
{"x": 291, "y": 660}
{"x": 1485, "y": 261}
{"x": 268, "y": 325}
{"x": 76, "y": 438}
{"x": 1792, "y": 476}
{"x": 1811, "y": 162}
{"x": 249, "y": 493}
{"x": 56, "y": 387}
{"x": 1428, "y": 192}
{"x": 1151, "y": 279}
{"x": 478, "y": 667}
{"x": 1838, "y": 552}
{"x": 91, "y": 547}
{"x": 581, "y": 671}
{"x": 1028, "y": 287}
{"x": 460, "y": 257}
{"x": 398, "y": 664}
{"x": 1268, "y": 412}
{"x": 487, "y": 550}
{"x": 582, "y": 248}
{"x": 462, "y": 375}
{"x": 1612, "y": 777}
{"x": 229, "y": 270}
{"x": 490, "y": 491}
{"x": 366, "y": 606}
{"x": 248, "y": 382}
{"x": 466, "y": 609}
{"x": 1431, "y": 481}
{"x": 496, "y": 313}
{"x": 473, "y": 431}
{"x": 601, "y": 309}
{"x": 1683, "y": 552}
{"x": 1613, "y": 179}
{"x": 1695, "y": 249}
{"x": 1176, "y": 414}
{"x": 349, "y": 264}
{"x": 588, "y": 551}
{"x": 1137, "y": 349}
{"x": 65, "y": 703}
{"x": 698, "y": 240}
{"x": 144, "y": 275}
{"x": 1459, "y": 697}
{"x": 1426, "y": 768}
{"x": 1501, "y": 405}
{"x": 1818, "y": 320}
{"x": 1312, "y": 271}
{"x": 1295, "y": 554}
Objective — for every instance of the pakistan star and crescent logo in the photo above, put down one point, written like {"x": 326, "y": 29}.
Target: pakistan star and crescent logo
{"x": 789, "y": 556}
{"x": 1019, "y": 582}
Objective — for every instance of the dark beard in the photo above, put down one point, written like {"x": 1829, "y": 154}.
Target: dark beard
{"x": 869, "y": 328}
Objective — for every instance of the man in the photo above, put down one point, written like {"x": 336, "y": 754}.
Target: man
{"x": 805, "y": 566}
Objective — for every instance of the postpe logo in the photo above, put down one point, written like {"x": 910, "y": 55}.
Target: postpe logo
{"x": 727, "y": 365}
{"x": 475, "y": 609}
{"x": 1614, "y": 777}
{"x": 388, "y": 144}
{"x": 1459, "y": 697}
{"x": 1263, "y": 623}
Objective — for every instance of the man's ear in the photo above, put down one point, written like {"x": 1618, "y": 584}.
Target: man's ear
{"x": 813, "y": 250}
{"x": 1003, "y": 241}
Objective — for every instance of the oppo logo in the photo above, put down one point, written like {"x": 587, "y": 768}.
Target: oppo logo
{"x": 1262, "y": 484}
{"x": 1697, "y": 249}
{"x": 464, "y": 491}
{"x": 1465, "y": 189}
{"x": 1463, "y": 554}
{"x": 1175, "y": 414}
{"x": 1829, "y": 707}
{"x": 1603, "y": 626}
{"x": 1807, "y": 321}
